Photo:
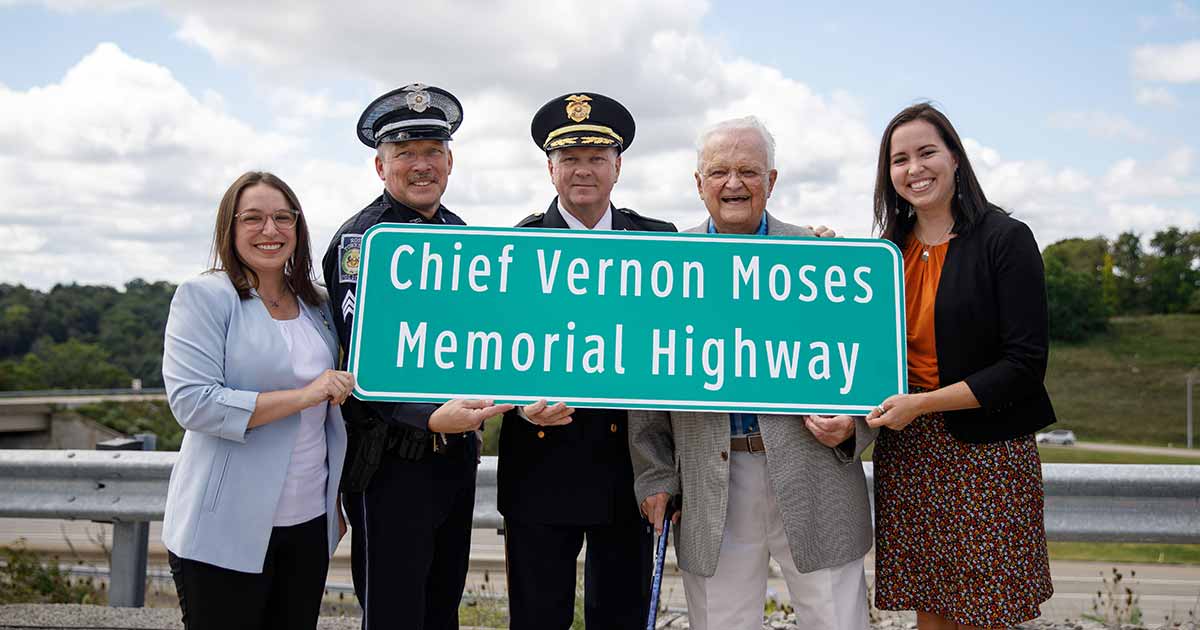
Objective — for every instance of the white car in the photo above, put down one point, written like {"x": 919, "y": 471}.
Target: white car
{"x": 1066, "y": 437}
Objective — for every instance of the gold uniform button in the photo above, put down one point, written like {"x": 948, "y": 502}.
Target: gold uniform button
{"x": 612, "y": 427}
{"x": 541, "y": 434}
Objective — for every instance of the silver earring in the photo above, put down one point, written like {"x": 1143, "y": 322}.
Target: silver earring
{"x": 958, "y": 186}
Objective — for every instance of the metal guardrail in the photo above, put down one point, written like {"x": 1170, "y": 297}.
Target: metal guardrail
{"x": 67, "y": 393}
{"x": 1084, "y": 502}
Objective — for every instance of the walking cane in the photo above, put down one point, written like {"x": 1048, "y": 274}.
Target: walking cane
{"x": 660, "y": 557}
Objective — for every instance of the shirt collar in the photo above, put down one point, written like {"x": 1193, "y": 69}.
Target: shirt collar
{"x": 605, "y": 222}
{"x": 762, "y": 225}
{"x": 408, "y": 215}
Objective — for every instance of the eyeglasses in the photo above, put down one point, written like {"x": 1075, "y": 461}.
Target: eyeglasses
{"x": 255, "y": 220}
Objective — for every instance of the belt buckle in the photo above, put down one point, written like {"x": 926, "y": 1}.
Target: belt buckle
{"x": 750, "y": 443}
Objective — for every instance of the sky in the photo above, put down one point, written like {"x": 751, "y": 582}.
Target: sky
{"x": 122, "y": 122}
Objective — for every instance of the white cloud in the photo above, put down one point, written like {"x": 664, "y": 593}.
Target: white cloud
{"x": 1155, "y": 96}
{"x": 1060, "y": 203}
{"x": 114, "y": 172}
{"x": 125, "y": 184}
{"x": 1172, "y": 63}
{"x": 1098, "y": 124}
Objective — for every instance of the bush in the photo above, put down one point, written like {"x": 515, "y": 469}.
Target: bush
{"x": 25, "y": 580}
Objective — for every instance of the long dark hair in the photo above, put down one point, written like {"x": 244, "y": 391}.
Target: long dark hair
{"x": 297, "y": 273}
{"x": 894, "y": 217}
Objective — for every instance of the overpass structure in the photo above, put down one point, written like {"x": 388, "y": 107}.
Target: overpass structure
{"x": 27, "y": 417}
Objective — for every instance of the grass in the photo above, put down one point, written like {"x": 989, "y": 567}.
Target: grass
{"x": 1128, "y": 385}
{"x": 1141, "y": 553}
{"x": 1072, "y": 455}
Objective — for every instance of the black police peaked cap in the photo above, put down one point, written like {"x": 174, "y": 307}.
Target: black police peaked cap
{"x": 413, "y": 112}
{"x": 582, "y": 119}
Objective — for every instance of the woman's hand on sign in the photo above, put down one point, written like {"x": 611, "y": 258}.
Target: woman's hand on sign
{"x": 830, "y": 430}
{"x": 543, "y": 414}
{"x": 897, "y": 411}
{"x": 822, "y": 232}
{"x": 463, "y": 414}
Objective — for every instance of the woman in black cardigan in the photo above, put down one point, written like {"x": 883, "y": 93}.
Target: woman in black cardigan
{"x": 958, "y": 488}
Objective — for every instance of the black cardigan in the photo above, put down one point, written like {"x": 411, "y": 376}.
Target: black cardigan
{"x": 990, "y": 320}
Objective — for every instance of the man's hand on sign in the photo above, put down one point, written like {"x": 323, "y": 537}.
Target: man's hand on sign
{"x": 546, "y": 415}
{"x": 822, "y": 232}
{"x": 463, "y": 414}
{"x": 897, "y": 411}
{"x": 830, "y": 430}
{"x": 653, "y": 508}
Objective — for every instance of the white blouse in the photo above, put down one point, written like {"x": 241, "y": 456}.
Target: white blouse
{"x": 303, "y": 496}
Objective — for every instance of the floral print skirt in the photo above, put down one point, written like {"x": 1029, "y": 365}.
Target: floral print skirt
{"x": 959, "y": 530}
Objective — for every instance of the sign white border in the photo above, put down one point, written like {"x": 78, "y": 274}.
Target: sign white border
{"x": 632, "y": 403}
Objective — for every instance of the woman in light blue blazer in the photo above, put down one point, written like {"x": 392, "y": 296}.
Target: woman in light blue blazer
{"x": 252, "y": 509}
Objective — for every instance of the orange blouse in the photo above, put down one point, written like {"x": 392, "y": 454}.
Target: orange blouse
{"x": 920, "y": 290}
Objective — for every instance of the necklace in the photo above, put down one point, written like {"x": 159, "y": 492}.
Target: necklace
{"x": 273, "y": 303}
{"x": 927, "y": 246}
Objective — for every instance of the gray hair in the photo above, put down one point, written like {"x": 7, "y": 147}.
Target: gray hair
{"x": 748, "y": 123}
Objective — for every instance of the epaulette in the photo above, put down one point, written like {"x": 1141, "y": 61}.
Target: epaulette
{"x": 531, "y": 219}
{"x": 634, "y": 215}
{"x": 627, "y": 211}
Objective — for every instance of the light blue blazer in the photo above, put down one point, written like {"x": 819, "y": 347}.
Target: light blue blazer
{"x": 219, "y": 353}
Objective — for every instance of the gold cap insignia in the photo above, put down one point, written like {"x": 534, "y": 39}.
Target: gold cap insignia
{"x": 578, "y": 108}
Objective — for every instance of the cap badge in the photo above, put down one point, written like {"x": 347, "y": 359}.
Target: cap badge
{"x": 417, "y": 101}
{"x": 578, "y": 108}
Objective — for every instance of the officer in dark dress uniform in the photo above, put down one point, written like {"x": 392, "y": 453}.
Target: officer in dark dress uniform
{"x": 564, "y": 474}
{"x": 409, "y": 482}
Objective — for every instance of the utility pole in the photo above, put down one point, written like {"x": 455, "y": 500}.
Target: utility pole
{"x": 1191, "y": 377}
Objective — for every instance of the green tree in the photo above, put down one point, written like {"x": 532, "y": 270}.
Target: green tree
{"x": 1085, "y": 255}
{"x": 73, "y": 364}
{"x": 1128, "y": 270}
{"x": 1075, "y": 300}
{"x": 1172, "y": 277}
{"x": 1108, "y": 286}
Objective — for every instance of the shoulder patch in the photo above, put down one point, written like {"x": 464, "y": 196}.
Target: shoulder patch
{"x": 349, "y": 258}
{"x": 531, "y": 219}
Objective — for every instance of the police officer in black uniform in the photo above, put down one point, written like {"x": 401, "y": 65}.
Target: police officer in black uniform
{"x": 409, "y": 482}
{"x": 565, "y": 474}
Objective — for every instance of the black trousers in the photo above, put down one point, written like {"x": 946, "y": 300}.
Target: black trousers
{"x": 286, "y": 595}
{"x": 541, "y": 574}
{"x": 412, "y": 540}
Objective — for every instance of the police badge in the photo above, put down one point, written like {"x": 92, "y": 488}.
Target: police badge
{"x": 417, "y": 98}
{"x": 348, "y": 258}
{"x": 578, "y": 108}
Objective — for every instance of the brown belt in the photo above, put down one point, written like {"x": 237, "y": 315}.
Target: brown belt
{"x": 752, "y": 443}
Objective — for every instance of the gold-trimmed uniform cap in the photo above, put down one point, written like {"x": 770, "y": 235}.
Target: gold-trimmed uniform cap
{"x": 582, "y": 119}
{"x": 413, "y": 112}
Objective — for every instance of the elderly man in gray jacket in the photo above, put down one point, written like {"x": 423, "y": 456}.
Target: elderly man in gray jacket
{"x": 757, "y": 486}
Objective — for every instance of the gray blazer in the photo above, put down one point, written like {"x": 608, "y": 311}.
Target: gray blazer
{"x": 220, "y": 351}
{"x": 821, "y": 491}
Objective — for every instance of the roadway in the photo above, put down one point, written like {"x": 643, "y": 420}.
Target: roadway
{"x": 1165, "y": 590}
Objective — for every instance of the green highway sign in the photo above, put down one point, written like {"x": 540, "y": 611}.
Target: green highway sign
{"x": 628, "y": 320}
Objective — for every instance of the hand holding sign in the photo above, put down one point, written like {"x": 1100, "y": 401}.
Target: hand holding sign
{"x": 542, "y": 414}
{"x": 463, "y": 414}
{"x": 830, "y": 430}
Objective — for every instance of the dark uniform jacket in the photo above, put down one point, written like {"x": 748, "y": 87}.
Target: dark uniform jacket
{"x": 340, "y": 269}
{"x": 580, "y": 473}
